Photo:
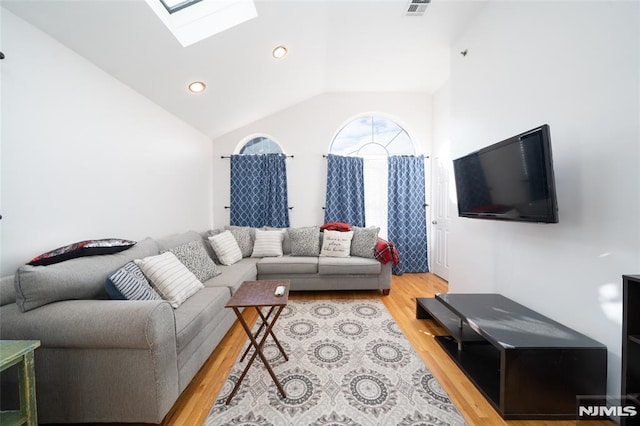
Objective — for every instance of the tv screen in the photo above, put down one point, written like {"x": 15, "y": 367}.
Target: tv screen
{"x": 509, "y": 180}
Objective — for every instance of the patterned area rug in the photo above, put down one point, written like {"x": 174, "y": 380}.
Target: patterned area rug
{"x": 349, "y": 365}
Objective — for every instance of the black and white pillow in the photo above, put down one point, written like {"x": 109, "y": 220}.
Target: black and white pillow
{"x": 305, "y": 241}
{"x": 129, "y": 283}
{"x": 194, "y": 256}
{"x": 244, "y": 236}
{"x": 364, "y": 241}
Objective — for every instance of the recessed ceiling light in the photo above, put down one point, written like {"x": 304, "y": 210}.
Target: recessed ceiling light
{"x": 197, "y": 87}
{"x": 279, "y": 52}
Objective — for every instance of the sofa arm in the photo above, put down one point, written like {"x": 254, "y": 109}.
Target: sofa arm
{"x": 100, "y": 361}
{"x": 93, "y": 324}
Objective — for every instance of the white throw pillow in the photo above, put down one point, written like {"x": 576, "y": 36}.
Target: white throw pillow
{"x": 169, "y": 277}
{"x": 226, "y": 248}
{"x": 336, "y": 244}
{"x": 268, "y": 243}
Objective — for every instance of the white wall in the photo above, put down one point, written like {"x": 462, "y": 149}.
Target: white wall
{"x": 306, "y": 131}
{"x": 575, "y": 66}
{"x": 84, "y": 156}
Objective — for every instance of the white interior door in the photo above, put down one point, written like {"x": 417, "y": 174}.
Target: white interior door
{"x": 441, "y": 216}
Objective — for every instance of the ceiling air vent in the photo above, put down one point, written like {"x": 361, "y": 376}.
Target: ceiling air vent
{"x": 417, "y": 7}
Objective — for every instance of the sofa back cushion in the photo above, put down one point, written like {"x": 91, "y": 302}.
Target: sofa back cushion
{"x": 175, "y": 240}
{"x": 81, "y": 278}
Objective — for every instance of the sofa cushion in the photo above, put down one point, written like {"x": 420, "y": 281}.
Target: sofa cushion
{"x": 129, "y": 283}
{"x": 336, "y": 244}
{"x": 226, "y": 248}
{"x": 348, "y": 266}
{"x": 288, "y": 265}
{"x": 364, "y": 241}
{"x": 268, "y": 243}
{"x": 207, "y": 244}
{"x": 175, "y": 240}
{"x": 171, "y": 279}
{"x": 194, "y": 256}
{"x": 232, "y": 276}
{"x": 81, "y": 278}
{"x": 196, "y": 312}
{"x": 305, "y": 241}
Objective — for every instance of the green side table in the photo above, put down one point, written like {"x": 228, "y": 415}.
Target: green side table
{"x": 20, "y": 353}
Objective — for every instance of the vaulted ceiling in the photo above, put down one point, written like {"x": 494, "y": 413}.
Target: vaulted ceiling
{"x": 334, "y": 45}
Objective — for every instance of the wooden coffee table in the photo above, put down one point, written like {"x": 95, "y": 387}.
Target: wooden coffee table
{"x": 259, "y": 294}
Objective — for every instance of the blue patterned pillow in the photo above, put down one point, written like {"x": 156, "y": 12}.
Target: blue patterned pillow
{"x": 130, "y": 283}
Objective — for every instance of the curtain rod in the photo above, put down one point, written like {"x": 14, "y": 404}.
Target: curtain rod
{"x": 228, "y": 207}
{"x": 326, "y": 156}
{"x": 228, "y": 156}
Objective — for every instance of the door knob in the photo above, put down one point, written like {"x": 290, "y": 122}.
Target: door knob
{"x": 435, "y": 222}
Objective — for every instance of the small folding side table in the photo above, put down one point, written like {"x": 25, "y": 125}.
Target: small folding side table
{"x": 259, "y": 294}
{"x": 20, "y": 353}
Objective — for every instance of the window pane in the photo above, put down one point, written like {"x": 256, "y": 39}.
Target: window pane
{"x": 372, "y": 136}
{"x": 261, "y": 145}
{"x": 401, "y": 145}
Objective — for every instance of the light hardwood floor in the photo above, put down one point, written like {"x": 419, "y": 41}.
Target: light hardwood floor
{"x": 195, "y": 402}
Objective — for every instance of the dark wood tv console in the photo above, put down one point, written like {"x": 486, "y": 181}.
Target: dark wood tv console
{"x": 526, "y": 365}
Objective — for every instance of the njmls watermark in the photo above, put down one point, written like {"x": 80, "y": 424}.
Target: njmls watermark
{"x": 602, "y": 407}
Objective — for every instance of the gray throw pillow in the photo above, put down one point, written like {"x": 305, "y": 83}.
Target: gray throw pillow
{"x": 364, "y": 241}
{"x": 194, "y": 256}
{"x": 305, "y": 241}
{"x": 245, "y": 237}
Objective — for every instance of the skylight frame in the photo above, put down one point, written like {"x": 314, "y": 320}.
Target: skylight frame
{"x": 203, "y": 18}
{"x": 179, "y": 6}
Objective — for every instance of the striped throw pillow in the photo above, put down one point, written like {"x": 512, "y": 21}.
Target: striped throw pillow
{"x": 130, "y": 283}
{"x": 171, "y": 279}
{"x": 268, "y": 243}
{"x": 226, "y": 248}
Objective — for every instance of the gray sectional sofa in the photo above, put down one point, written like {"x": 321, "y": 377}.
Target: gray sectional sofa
{"x": 105, "y": 360}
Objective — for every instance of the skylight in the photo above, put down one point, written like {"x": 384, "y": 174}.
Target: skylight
{"x": 193, "y": 20}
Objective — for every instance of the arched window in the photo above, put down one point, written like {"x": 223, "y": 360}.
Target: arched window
{"x": 261, "y": 145}
{"x": 372, "y": 136}
{"x": 377, "y": 140}
{"x": 258, "y": 184}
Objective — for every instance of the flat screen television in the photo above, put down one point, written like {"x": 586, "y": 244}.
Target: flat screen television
{"x": 509, "y": 180}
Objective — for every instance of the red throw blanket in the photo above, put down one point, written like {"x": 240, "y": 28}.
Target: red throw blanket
{"x": 386, "y": 252}
{"x": 336, "y": 226}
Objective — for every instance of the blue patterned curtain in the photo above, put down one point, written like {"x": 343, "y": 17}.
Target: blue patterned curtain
{"x": 259, "y": 191}
{"x": 407, "y": 219}
{"x": 345, "y": 190}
